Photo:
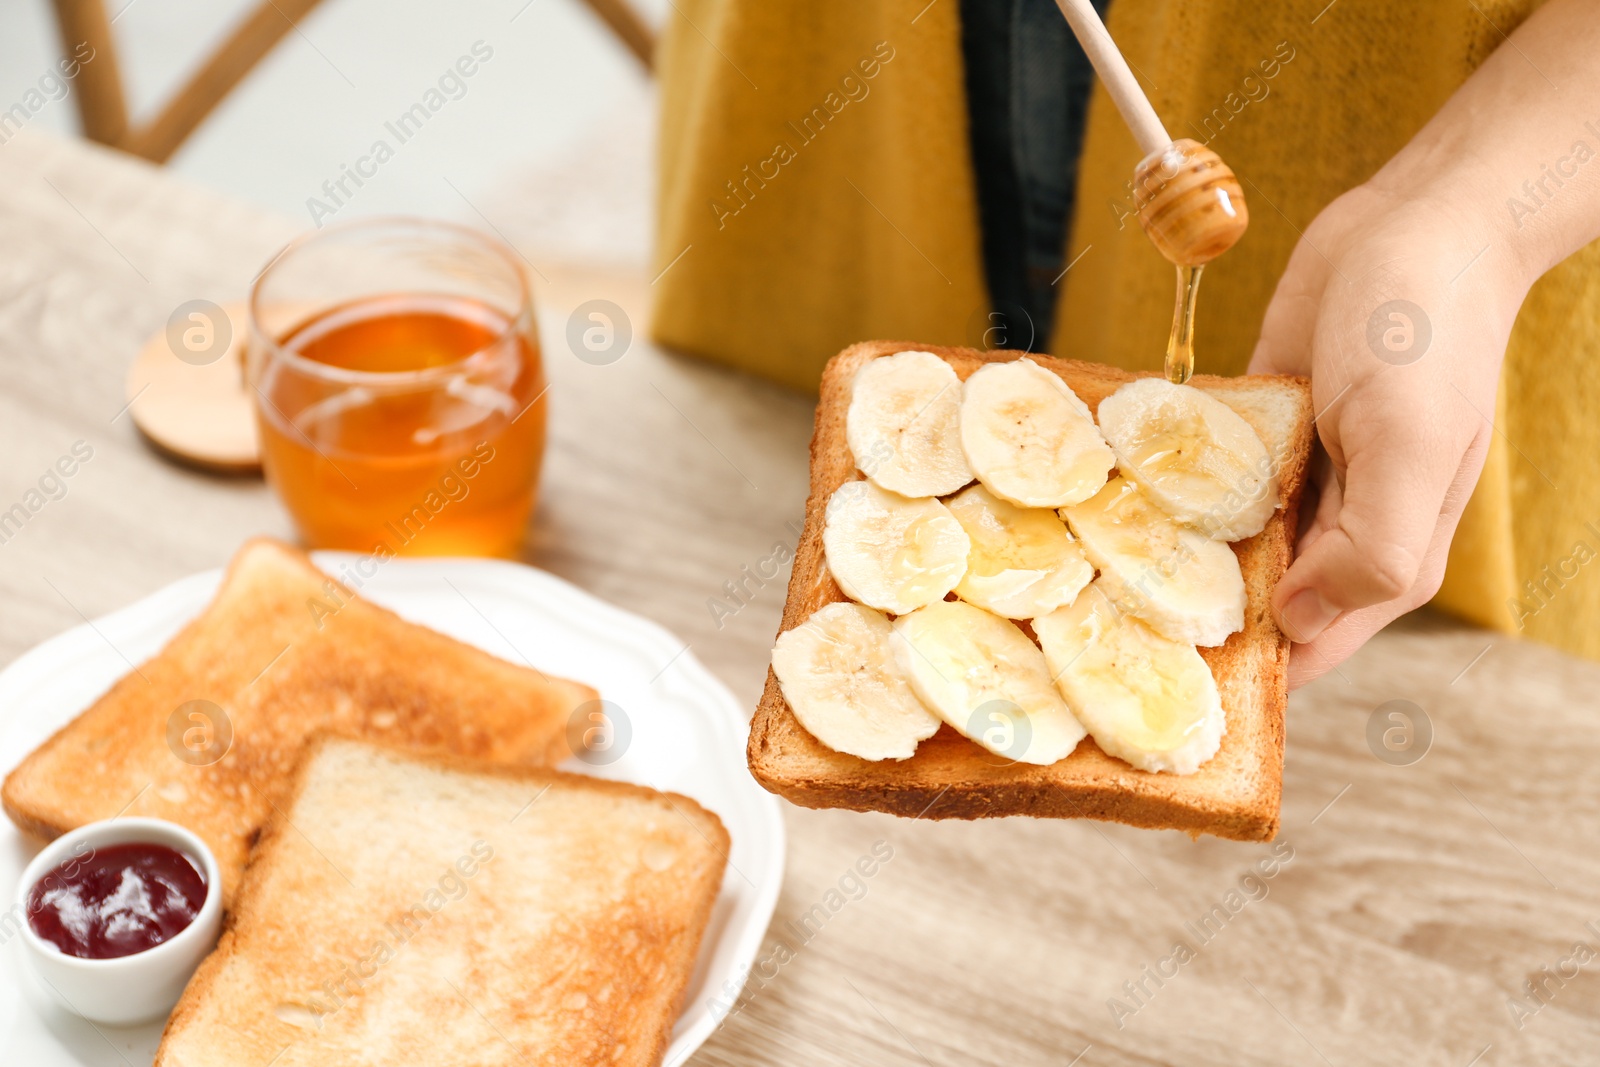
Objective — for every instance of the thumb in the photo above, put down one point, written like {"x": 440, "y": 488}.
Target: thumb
{"x": 1373, "y": 550}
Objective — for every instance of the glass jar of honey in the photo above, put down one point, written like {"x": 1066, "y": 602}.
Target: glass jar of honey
{"x": 399, "y": 389}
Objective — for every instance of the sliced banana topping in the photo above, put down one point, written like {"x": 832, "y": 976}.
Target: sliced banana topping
{"x": 903, "y": 424}
{"x": 1023, "y": 561}
{"x": 1028, "y": 437}
{"x": 1196, "y": 457}
{"x": 1145, "y": 699}
{"x": 891, "y": 552}
{"x": 1118, "y": 649}
{"x": 982, "y": 675}
{"x": 1185, "y": 585}
{"x": 838, "y": 672}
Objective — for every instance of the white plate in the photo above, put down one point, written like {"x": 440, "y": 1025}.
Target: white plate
{"x": 688, "y": 736}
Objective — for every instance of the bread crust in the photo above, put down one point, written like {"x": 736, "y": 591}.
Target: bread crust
{"x": 1235, "y": 795}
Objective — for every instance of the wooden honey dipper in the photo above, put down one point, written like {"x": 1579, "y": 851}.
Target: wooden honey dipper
{"x": 1190, "y": 203}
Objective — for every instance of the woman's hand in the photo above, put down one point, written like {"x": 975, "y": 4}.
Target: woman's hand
{"x": 1400, "y": 318}
{"x": 1398, "y": 303}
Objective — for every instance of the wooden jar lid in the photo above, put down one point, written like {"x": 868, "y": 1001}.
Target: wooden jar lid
{"x": 187, "y": 389}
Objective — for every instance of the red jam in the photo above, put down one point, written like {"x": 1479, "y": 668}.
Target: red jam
{"x": 117, "y": 900}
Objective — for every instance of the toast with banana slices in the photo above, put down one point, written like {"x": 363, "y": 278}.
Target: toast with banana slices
{"x": 424, "y": 910}
{"x": 866, "y": 647}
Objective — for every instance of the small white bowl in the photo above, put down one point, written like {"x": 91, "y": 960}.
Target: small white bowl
{"x": 125, "y": 989}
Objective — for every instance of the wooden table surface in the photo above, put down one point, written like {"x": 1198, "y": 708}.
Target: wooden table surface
{"x": 1409, "y": 905}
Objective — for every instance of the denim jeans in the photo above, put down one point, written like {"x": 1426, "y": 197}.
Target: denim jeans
{"x": 1027, "y": 93}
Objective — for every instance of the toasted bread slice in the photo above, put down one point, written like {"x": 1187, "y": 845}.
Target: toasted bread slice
{"x": 283, "y": 651}
{"x": 410, "y": 910}
{"x": 1234, "y": 795}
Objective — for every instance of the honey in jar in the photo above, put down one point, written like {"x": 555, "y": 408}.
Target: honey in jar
{"x": 401, "y": 423}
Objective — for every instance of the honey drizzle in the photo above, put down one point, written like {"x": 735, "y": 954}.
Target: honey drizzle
{"x": 1180, "y": 343}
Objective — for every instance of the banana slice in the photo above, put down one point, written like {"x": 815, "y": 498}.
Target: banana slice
{"x": 1023, "y": 561}
{"x": 982, "y": 675}
{"x": 838, "y": 672}
{"x": 1146, "y": 699}
{"x": 903, "y": 424}
{"x": 1028, "y": 437}
{"x": 890, "y": 552}
{"x": 1185, "y": 585}
{"x": 1196, "y": 457}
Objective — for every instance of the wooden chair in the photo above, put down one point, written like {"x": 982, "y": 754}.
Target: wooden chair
{"x": 103, "y": 110}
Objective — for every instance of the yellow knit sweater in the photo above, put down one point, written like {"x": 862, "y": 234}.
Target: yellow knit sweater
{"x": 817, "y": 189}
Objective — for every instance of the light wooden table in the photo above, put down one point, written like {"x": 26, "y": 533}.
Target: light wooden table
{"x": 1418, "y": 899}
